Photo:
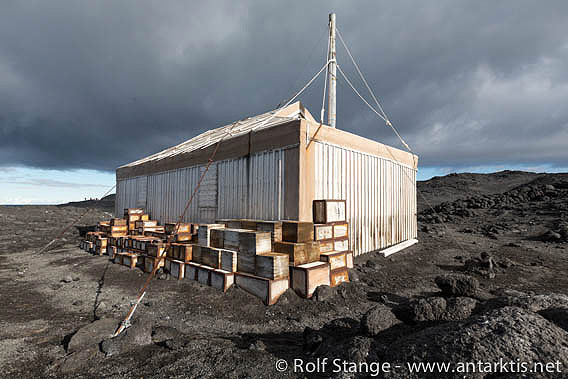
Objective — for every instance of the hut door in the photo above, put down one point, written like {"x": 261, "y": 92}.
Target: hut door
{"x": 207, "y": 201}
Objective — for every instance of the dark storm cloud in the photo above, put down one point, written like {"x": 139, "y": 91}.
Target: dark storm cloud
{"x": 98, "y": 84}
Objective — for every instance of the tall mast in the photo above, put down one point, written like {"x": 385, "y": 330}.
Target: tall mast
{"x": 332, "y": 70}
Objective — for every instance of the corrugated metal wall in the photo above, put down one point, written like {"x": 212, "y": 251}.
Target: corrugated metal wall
{"x": 248, "y": 187}
{"x": 380, "y": 195}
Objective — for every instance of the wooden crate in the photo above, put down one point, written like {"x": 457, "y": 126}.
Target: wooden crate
{"x": 151, "y": 262}
{"x": 313, "y": 251}
{"x": 216, "y": 238}
{"x": 349, "y": 258}
{"x": 272, "y": 265}
{"x": 246, "y": 263}
{"x": 306, "y": 278}
{"x": 204, "y": 233}
{"x": 326, "y": 246}
{"x": 340, "y": 229}
{"x": 145, "y": 224}
{"x": 182, "y": 237}
{"x": 211, "y": 257}
{"x": 228, "y": 260}
{"x": 338, "y": 276}
{"x": 118, "y": 222}
{"x": 341, "y": 244}
{"x": 254, "y": 242}
{"x": 204, "y": 275}
{"x": 336, "y": 259}
{"x": 156, "y": 249}
{"x": 222, "y": 279}
{"x": 325, "y": 211}
{"x": 297, "y": 231}
{"x": 133, "y": 211}
{"x": 182, "y": 251}
{"x": 323, "y": 231}
{"x": 177, "y": 269}
{"x": 196, "y": 254}
{"x": 267, "y": 290}
{"x": 274, "y": 227}
{"x": 111, "y": 251}
{"x": 249, "y": 224}
{"x": 191, "y": 270}
{"x": 170, "y": 227}
{"x": 296, "y": 252}
{"x": 144, "y": 217}
{"x": 130, "y": 260}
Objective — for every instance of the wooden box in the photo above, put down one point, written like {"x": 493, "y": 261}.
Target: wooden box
{"x": 204, "y": 275}
{"x": 191, "y": 270}
{"x": 181, "y": 237}
{"x": 341, "y": 244}
{"x": 183, "y": 251}
{"x": 216, "y": 238}
{"x": 156, "y": 249}
{"x": 326, "y": 246}
{"x": 272, "y": 265}
{"x": 145, "y": 224}
{"x": 177, "y": 269}
{"x": 249, "y": 224}
{"x": 323, "y": 231}
{"x": 306, "y": 278}
{"x": 211, "y": 257}
{"x": 296, "y": 252}
{"x": 338, "y": 276}
{"x": 313, "y": 251}
{"x": 130, "y": 260}
{"x": 247, "y": 242}
{"x": 325, "y": 211}
{"x": 144, "y": 217}
{"x": 170, "y": 228}
{"x": 111, "y": 251}
{"x": 274, "y": 227}
{"x": 297, "y": 231}
{"x": 267, "y": 290}
{"x": 222, "y": 279}
{"x": 229, "y": 260}
{"x": 196, "y": 253}
{"x": 151, "y": 262}
{"x": 336, "y": 259}
{"x": 117, "y": 222}
{"x": 340, "y": 229}
{"x": 246, "y": 263}
{"x": 349, "y": 259}
{"x": 231, "y": 238}
{"x": 204, "y": 233}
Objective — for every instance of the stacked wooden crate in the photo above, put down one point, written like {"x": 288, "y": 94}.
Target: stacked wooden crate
{"x": 331, "y": 230}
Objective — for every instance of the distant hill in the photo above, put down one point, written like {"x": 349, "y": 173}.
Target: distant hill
{"x": 106, "y": 203}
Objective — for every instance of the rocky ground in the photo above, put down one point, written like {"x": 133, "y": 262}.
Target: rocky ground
{"x": 488, "y": 281}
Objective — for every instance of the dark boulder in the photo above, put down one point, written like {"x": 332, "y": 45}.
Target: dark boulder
{"x": 457, "y": 285}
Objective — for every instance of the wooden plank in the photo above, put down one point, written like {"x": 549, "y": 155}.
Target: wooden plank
{"x": 266, "y": 289}
{"x": 272, "y": 265}
{"x": 306, "y": 278}
{"x": 398, "y": 247}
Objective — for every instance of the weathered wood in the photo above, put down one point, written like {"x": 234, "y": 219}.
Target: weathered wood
{"x": 306, "y": 278}
{"x": 274, "y": 227}
{"x": 216, "y": 238}
{"x": 272, "y": 265}
{"x": 323, "y": 231}
{"x": 130, "y": 260}
{"x": 247, "y": 242}
{"x": 196, "y": 255}
{"x": 133, "y": 211}
{"x": 204, "y": 233}
{"x": 267, "y": 290}
{"x": 338, "y": 276}
{"x": 204, "y": 275}
{"x": 145, "y": 224}
{"x": 222, "y": 279}
{"x": 297, "y": 231}
{"x": 246, "y": 263}
{"x": 211, "y": 257}
{"x": 177, "y": 269}
{"x": 313, "y": 251}
{"x": 336, "y": 259}
{"x": 229, "y": 260}
{"x": 341, "y": 244}
{"x": 349, "y": 258}
{"x": 182, "y": 228}
{"x": 191, "y": 270}
{"x": 296, "y": 252}
{"x": 150, "y": 262}
{"x": 325, "y": 211}
{"x": 117, "y": 222}
{"x": 340, "y": 229}
{"x": 155, "y": 249}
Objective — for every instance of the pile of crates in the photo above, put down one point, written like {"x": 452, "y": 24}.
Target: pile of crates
{"x": 264, "y": 258}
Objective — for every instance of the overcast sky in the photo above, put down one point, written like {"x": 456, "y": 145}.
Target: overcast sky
{"x": 91, "y": 85}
